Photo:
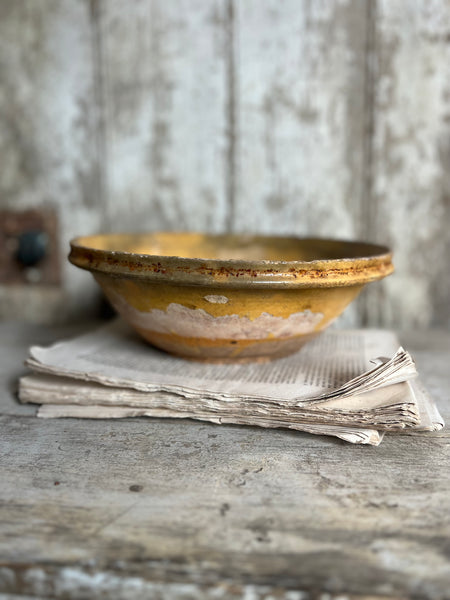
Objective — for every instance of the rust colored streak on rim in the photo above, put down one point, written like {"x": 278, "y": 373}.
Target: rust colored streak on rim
{"x": 236, "y": 273}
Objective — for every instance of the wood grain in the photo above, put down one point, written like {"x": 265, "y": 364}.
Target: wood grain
{"x": 164, "y": 88}
{"x": 410, "y": 195}
{"x": 226, "y": 502}
{"x": 299, "y": 116}
{"x": 96, "y": 507}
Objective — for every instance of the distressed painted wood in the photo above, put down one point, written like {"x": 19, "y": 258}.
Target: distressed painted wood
{"x": 314, "y": 118}
{"x": 163, "y": 77}
{"x": 410, "y": 195}
{"x": 299, "y": 73}
{"x": 90, "y": 508}
{"x": 48, "y": 129}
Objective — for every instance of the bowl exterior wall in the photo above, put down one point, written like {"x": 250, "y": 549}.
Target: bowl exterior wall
{"x": 234, "y": 324}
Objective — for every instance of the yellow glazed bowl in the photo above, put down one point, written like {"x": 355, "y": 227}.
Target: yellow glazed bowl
{"x": 227, "y": 297}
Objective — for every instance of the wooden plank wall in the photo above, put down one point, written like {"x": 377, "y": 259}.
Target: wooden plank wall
{"x": 410, "y": 160}
{"x": 326, "y": 118}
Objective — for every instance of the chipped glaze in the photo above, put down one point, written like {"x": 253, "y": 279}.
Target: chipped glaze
{"x": 216, "y": 299}
{"x": 197, "y": 323}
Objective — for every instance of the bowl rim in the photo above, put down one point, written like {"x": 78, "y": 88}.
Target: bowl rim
{"x": 334, "y": 272}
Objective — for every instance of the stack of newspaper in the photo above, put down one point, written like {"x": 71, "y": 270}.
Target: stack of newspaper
{"x": 355, "y": 385}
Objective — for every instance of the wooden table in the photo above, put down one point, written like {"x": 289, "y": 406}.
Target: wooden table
{"x": 142, "y": 508}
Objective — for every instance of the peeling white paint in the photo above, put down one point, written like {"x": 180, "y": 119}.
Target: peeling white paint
{"x": 74, "y": 582}
{"x": 409, "y": 151}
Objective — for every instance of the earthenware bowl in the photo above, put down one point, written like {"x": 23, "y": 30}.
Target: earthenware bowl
{"x": 228, "y": 297}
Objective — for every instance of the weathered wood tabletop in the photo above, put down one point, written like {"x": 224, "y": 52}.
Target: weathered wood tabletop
{"x": 177, "y": 509}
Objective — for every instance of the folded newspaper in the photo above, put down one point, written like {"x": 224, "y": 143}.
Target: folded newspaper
{"x": 355, "y": 385}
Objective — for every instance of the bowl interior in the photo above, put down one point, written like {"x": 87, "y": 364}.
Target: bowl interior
{"x": 231, "y": 247}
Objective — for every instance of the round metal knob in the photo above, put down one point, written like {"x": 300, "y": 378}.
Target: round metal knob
{"x": 32, "y": 247}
